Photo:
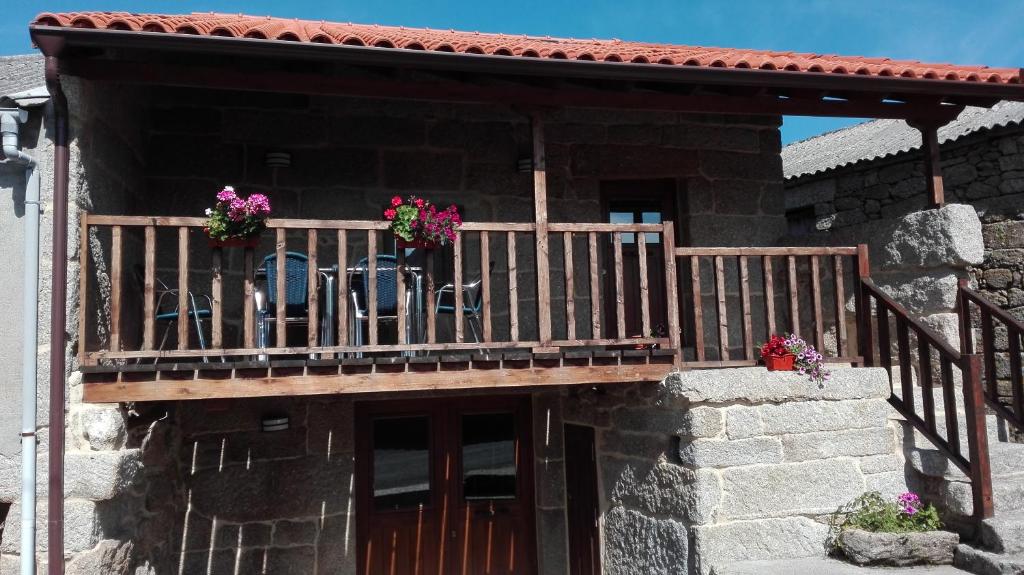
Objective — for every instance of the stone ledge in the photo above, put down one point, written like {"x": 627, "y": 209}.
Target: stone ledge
{"x": 763, "y": 491}
{"x": 789, "y": 538}
{"x": 754, "y": 385}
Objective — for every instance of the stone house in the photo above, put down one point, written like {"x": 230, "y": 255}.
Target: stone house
{"x": 585, "y": 398}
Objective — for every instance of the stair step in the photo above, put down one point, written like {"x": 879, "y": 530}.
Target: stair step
{"x": 1004, "y": 533}
{"x": 1007, "y": 461}
{"x": 1008, "y": 494}
{"x": 982, "y": 562}
{"x": 823, "y": 566}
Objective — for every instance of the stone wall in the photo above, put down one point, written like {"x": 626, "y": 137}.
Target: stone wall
{"x": 740, "y": 464}
{"x": 983, "y": 171}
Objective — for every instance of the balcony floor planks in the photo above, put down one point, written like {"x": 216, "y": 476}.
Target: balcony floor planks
{"x": 321, "y": 377}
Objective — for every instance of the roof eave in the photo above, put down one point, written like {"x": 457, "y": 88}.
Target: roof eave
{"x": 53, "y": 40}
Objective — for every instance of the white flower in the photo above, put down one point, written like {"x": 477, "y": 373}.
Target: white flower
{"x": 209, "y": 212}
{"x": 229, "y": 188}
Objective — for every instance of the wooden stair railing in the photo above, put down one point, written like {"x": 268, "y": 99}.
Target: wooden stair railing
{"x": 991, "y": 317}
{"x": 935, "y": 357}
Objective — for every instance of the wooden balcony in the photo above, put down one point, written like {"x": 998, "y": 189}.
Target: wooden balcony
{"x": 570, "y": 303}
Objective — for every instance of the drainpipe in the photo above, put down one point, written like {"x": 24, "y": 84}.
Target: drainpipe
{"x": 58, "y": 305}
{"x": 9, "y": 120}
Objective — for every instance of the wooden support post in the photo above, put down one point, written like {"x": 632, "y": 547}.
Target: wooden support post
{"x": 863, "y": 303}
{"x": 698, "y": 313}
{"x": 595, "y": 290}
{"x": 457, "y": 316}
{"x": 485, "y": 285}
{"x": 431, "y": 302}
{"x": 83, "y": 284}
{"x": 570, "y": 293}
{"x": 249, "y": 313}
{"x": 840, "y": 305}
{"x": 183, "y": 287}
{"x": 343, "y": 288}
{"x": 540, "y": 201}
{"x": 371, "y": 291}
{"x": 645, "y": 304}
{"x": 932, "y": 163}
{"x": 748, "y": 336}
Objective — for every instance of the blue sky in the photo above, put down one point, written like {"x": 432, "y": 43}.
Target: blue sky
{"x": 958, "y": 31}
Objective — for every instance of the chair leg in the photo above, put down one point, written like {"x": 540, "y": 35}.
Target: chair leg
{"x": 473, "y": 320}
{"x": 163, "y": 340}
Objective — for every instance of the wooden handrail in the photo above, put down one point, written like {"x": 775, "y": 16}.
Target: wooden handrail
{"x": 758, "y": 251}
{"x": 976, "y": 462}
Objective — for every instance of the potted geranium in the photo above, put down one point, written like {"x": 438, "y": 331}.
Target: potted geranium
{"x": 236, "y": 221}
{"x": 793, "y": 353}
{"x": 417, "y": 223}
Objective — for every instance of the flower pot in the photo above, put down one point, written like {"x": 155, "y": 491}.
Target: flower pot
{"x": 780, "y": 362}
{"x": 899, "y": 549}
{"x": 234, "y": 242}
{"x": 414, "y": 244}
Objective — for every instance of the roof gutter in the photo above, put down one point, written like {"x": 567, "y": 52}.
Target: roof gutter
{"x": 513, "y": 65}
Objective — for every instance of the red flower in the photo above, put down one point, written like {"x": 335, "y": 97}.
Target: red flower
{"x": 774, "y": 347}
{"x": 396, "y": 201}
{"x": 419, "y": 202}
{"x": 389, "y": 214}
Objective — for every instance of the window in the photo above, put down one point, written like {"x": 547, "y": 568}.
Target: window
{"x": 488, "y": 456}
{"x": 401, "y": 463}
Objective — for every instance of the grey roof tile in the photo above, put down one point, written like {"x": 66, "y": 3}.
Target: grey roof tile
{"x": 883, "y": 138}
{"x": 20, "y": 73}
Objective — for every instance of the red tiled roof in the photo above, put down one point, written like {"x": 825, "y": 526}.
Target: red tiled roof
{"x": 283, "y": 29}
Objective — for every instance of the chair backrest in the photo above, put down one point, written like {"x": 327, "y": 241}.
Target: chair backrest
{"x": 387, "y": 283}
{"x": 296, "y": 280}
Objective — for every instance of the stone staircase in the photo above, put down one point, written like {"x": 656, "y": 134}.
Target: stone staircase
{"x": 998, "y": 547}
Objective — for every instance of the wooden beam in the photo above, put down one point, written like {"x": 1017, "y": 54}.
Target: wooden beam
{"x": 210, "y": 77}
{"x": 373, "y": 382}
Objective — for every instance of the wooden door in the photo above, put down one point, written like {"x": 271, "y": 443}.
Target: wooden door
{"x": 582, "y": 501}
{"x": 637, "y": 202}
{"x": 445, "y": 487}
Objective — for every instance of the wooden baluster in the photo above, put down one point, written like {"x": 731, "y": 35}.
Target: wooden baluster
{"x": 903, "y": 348}
{"x": 371, "y": 276}
{"x": 312, "y": 294}
{"x": 865, "y": 343}
{"x": 400, "y": 308}
{"x": 249, "y": 286}
{"x": 281, "y": 288}
{"x": 83, "y": 285}
{"x": 927, "y": 387}
{"x": 668, "y": 240}
{"x": 485, "y": 285}
{"x": 217, "y": 298}
{"x": 620, "y": 308}
{"x": 819, "y": 324}
{"x": 570, "y": 296}
{"x": 1016, "y": 385}
{"x": 458, "y": 315}
{"x": 431, "y": 303}
{"x": 884, "y": 343}
{"x": 183, "y": 304}
{"x": 840, "y": 303}
{"x": 343, "y": 288}
{"x": 595, "y": 291}
{"x": 748, "y": 336}
{"x": 769, "y": 295}
{"x": 513, "y": 289}
{"x": 148, "y": 291}
{"x": 698, "y": 308}
{"x": 794, "y": 297}
{"x": 645, "y": 303}
{"x": 723, "y": 315}
{"x": 963, "y": 310}
{"x": 116, "y": 286}
{"x": 949, "y": 404}
{"x": 988, "y": 338}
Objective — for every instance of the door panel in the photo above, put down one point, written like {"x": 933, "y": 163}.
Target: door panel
{"x": 582, "y": 501}
{"x": 444, "y": 487}
{"x": 636, "y": 202}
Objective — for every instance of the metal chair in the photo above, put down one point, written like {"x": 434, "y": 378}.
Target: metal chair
{"x": 472, "y": 303}
{"x": 170, "y": 314}
{"x": 387, "y": 295}
{"x": 296, "y": 299}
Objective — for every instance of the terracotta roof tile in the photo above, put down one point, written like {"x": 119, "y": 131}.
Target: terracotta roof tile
{"x": 284, "y": 29}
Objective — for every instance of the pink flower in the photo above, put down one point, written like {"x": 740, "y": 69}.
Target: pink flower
{"x": 390, "y": 213}
{"x": 419, "y": 202}
{"x": 227, "y": 194}
{"x": 396, "y": 201}
{"x": 257, "y": 205}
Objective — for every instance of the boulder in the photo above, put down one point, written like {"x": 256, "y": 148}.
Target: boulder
{"x": 899, "y": 549}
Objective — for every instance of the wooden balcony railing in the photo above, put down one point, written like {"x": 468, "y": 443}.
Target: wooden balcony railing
{"x": 118, "y": 321}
